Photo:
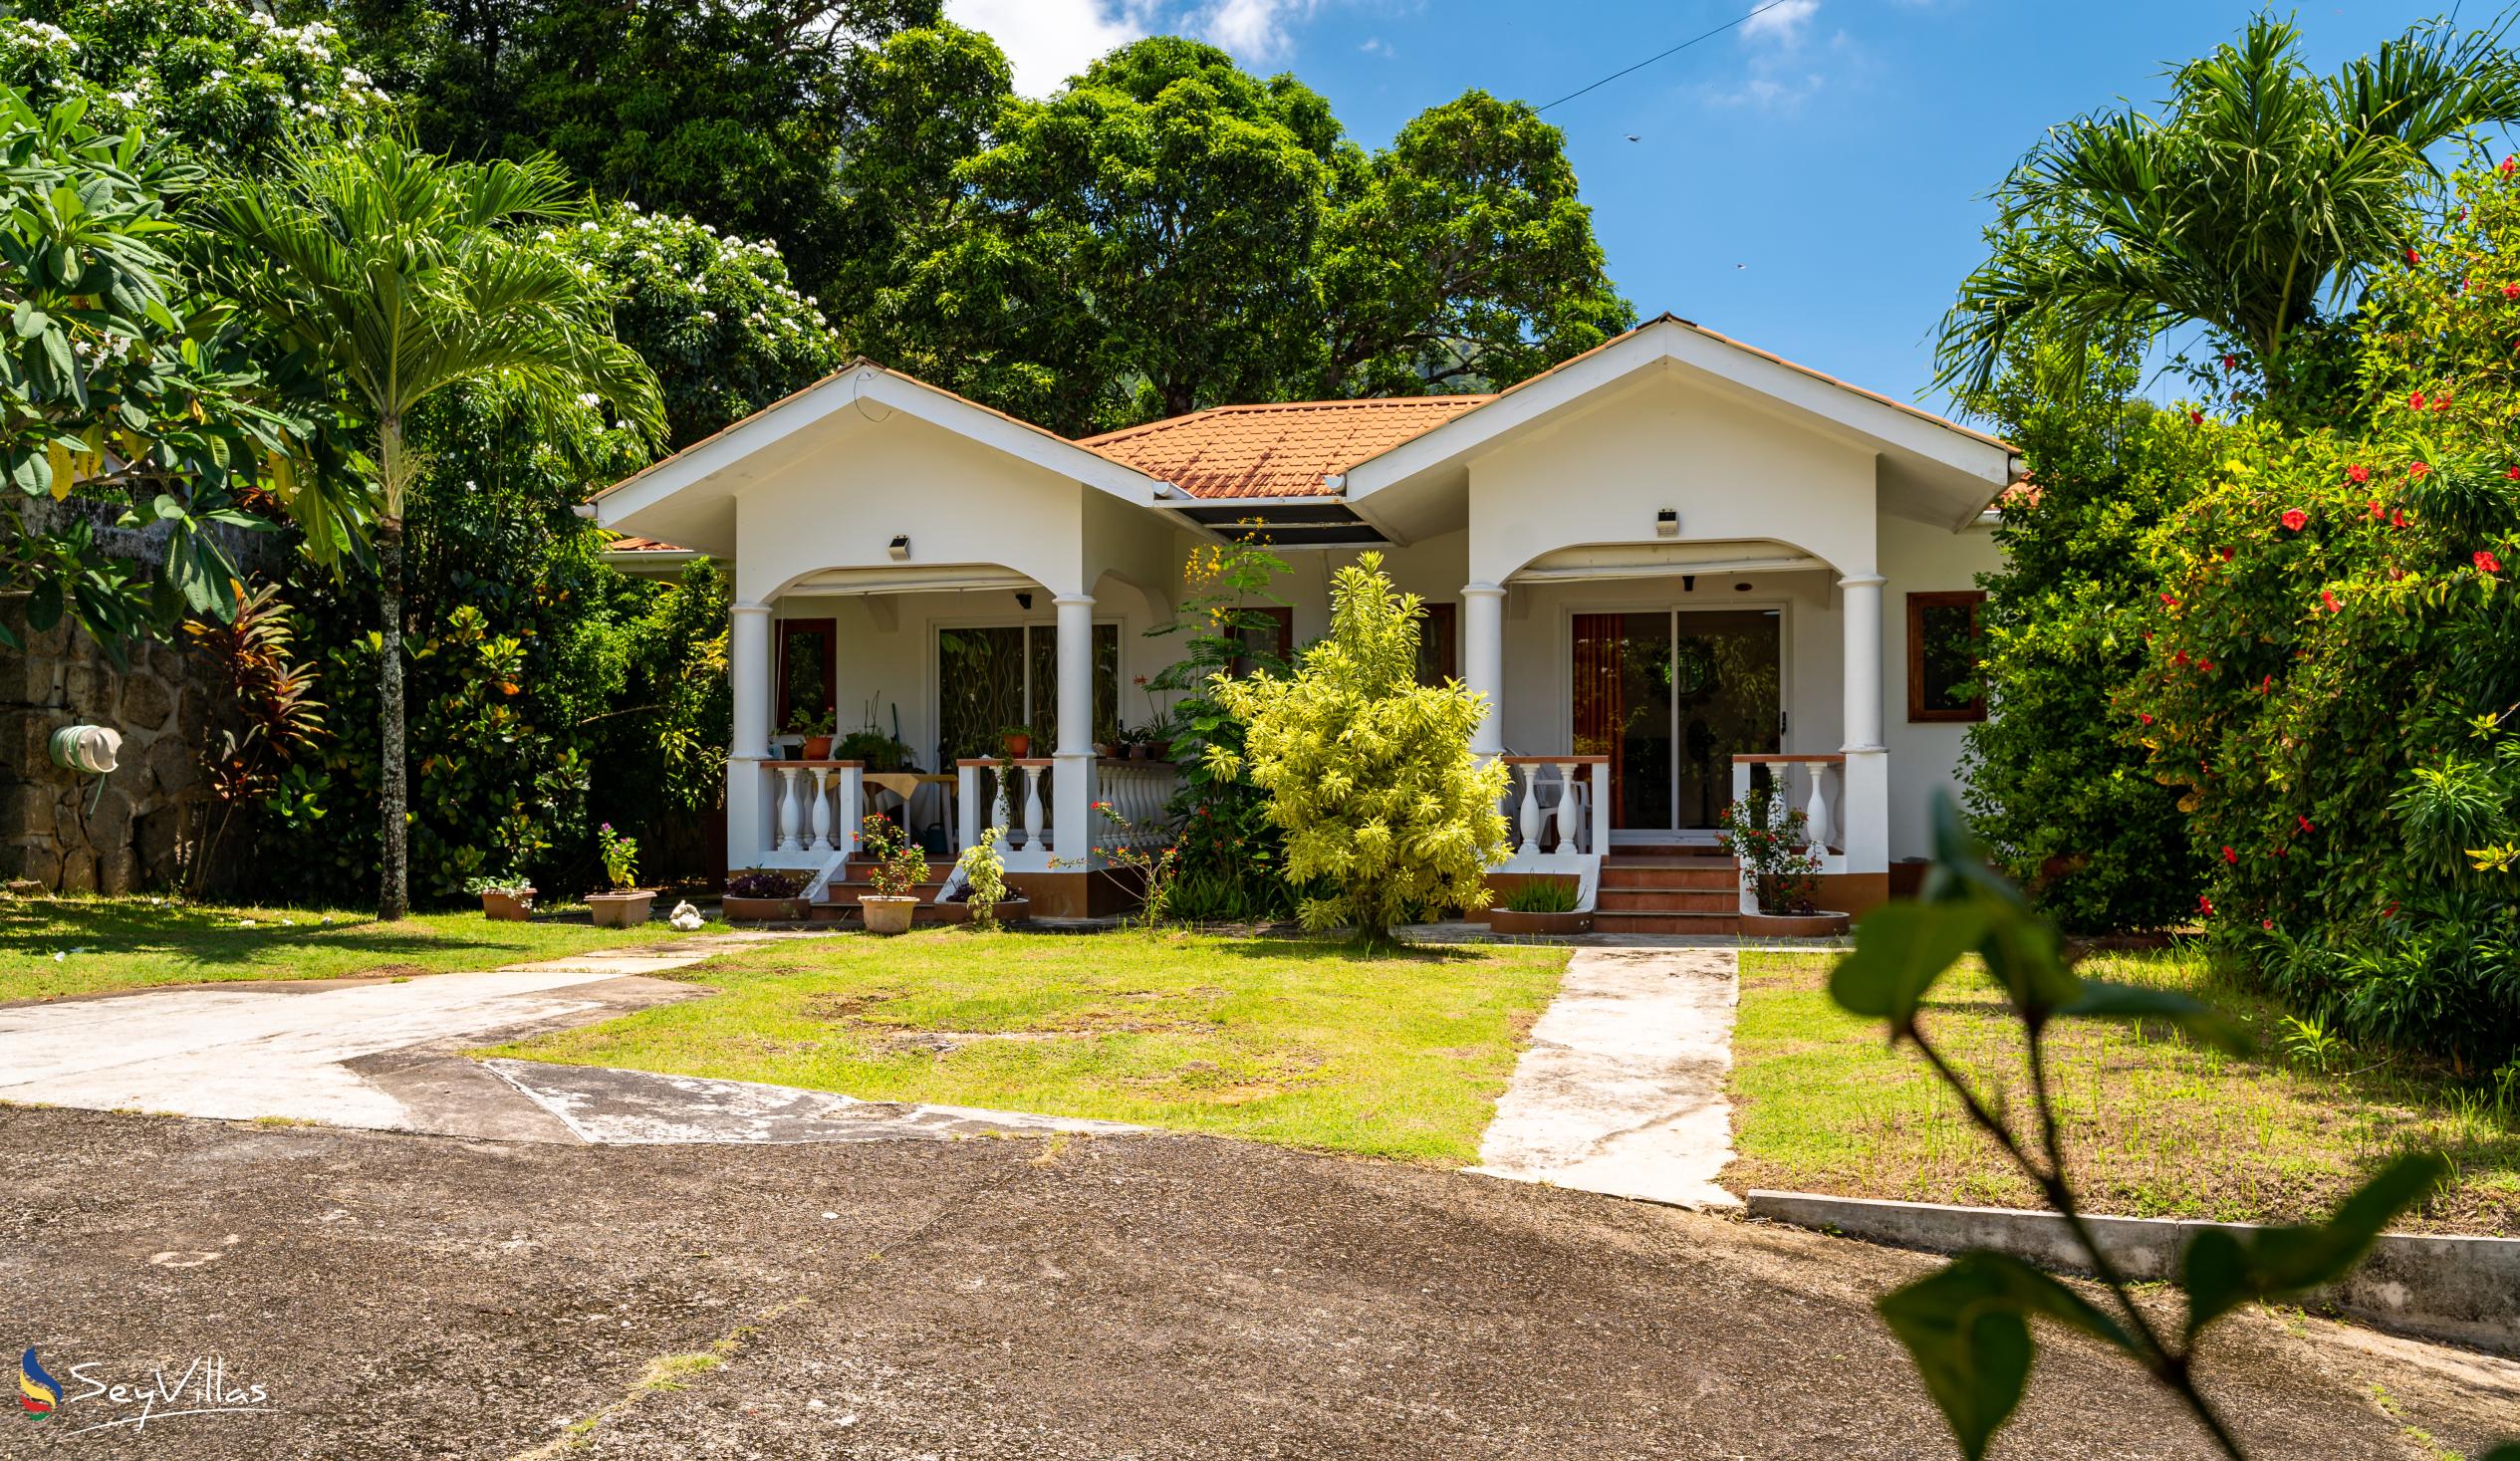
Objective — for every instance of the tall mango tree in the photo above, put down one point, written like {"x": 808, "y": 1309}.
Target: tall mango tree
{"x": 406, "y": 275}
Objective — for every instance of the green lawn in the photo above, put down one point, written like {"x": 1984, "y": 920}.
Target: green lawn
{"x": 1299, "y": 1042}
{"x": 2156, "y": 1126}
{"x": 58, "y": 946}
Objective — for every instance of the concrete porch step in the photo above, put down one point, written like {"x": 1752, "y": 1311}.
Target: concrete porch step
{"x": 1725, "y": 898}
{"x": 1618, "y": 873}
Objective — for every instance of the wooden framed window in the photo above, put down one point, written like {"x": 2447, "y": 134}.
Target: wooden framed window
{"x": 1277, "y": 637}
{"x": 1438, "y": 644}
{"x": 808, "y": 669}
{"x": 1942, "y": 660}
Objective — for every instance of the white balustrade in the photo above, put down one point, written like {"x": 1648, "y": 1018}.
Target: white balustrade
{"x": 1557, "y": 814}
{"x": 788, "y": 810}
{"x": 1816, "y": 784}
{"x": 1033, "y": 840}
{"x": 1136, "y": 792}
{"x": 822, "y": 809}
{"x": 812, "y": 807}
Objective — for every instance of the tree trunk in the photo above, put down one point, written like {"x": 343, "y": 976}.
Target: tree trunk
{"x": 393, "y": 883}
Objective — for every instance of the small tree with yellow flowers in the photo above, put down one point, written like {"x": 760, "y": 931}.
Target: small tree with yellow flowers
{"x": 1370, "y": 774}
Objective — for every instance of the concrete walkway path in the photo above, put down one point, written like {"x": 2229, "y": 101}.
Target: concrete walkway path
{"x": 1623, "y": 1089}
{"x": 387, "y": 1056}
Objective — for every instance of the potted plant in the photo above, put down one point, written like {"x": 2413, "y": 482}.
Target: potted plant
{"x": 1019, "y": 741}
{"x": 1772, "y": 842}
{"x": 764, "y": 895}
{"x": 816, "y": 727}
{"x": 986, "y": 900}
{"x": 1143, "y": 742}
{"x": 624, "y": 907}
{"x": 1540, "y": 905}
{"x": 877, "y": 750}
{"x": 508, "y": 899}
{"x": 899, "y": 868}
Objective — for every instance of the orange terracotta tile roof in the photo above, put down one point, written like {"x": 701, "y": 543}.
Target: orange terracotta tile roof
{"x": 1285, "y": 449}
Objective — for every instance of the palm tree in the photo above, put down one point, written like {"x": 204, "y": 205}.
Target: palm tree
{"x": 2263, "y": 190}
{"x": 407, "y": 274}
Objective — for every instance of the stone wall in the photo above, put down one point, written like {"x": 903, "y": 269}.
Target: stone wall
{"x": 146, "y": 809}
{"x": 85, "y": 833}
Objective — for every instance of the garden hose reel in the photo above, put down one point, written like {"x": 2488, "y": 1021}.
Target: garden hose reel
{"x": 88, "y": 750}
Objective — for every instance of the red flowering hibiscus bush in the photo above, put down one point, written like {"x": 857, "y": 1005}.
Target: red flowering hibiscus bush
{"x": 2334, "y": 666}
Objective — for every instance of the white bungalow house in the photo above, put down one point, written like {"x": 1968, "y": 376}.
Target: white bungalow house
{"x": 1676, "y": 565}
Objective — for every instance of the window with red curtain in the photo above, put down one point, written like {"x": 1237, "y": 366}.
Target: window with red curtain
{"x": 1600, "y": 698}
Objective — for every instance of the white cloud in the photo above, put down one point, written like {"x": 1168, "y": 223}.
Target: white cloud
{"x": 1048, "y": 41}
{"x": 1257, "y": 30}
{"x": 1781, "y": 23}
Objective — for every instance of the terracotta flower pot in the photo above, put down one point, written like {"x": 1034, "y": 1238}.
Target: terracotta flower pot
{"x": 507, "y": 908}
{"x": 1019, "y": 746}
{"x": 763, "y": 910}
{"x": 886, "y": 915}
{"x": 816, "y": 748}
{"x": 620, "y": 910}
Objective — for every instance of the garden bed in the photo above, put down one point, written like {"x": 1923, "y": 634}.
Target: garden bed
{"x": 2155, "y": 1126}
{"x": 1303, "y": 1041}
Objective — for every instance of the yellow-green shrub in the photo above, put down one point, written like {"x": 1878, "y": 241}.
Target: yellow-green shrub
{"x": 1387, "y": 812}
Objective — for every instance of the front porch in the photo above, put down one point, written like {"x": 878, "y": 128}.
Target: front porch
{"x": 949, "y": 673}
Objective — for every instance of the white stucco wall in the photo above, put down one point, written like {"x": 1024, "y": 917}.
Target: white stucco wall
{"x": 1924, "y": 757}
{"x": 960, "y": 503}
{"x": 1599, "y": 471}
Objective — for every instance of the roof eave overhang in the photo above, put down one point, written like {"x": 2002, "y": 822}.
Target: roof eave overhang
{"x": 702, "y": 466}
{"x": 1668, "y": 343}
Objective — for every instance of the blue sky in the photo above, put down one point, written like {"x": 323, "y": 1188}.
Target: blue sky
{"x": 1812, "y": 182}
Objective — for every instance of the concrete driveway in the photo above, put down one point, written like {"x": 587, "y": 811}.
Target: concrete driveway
{"x": 1064, "y": 1297}
{"x": 387, "y": 1054}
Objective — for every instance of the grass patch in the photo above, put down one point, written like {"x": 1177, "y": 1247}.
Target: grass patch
{"x": 58, "y": 946}
{"x": 2155, "y": 1126}
{"x": 1299, "y": 1042}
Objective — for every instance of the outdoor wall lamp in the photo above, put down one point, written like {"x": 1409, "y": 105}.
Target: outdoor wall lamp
{"x": 1666, "y": 523}
{"x": 900, "y": 548}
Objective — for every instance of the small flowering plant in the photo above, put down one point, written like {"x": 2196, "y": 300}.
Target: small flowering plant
{"x": 900, "y": 865}
{"x": 1772, "y": 842}
{"x": 1151, "y": 852}
{"x": 620, "y": 855}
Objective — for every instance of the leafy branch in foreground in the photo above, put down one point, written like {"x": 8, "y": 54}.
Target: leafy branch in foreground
{"x": 1967, "y": 1325}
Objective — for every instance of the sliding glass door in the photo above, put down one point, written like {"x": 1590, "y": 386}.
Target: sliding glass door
{"x": 1671, "y": 696}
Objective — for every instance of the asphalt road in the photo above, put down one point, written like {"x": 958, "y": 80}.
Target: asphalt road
{"x": 407, "y": 1297}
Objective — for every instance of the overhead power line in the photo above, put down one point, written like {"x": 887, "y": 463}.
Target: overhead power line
{"x": 1739, "y": 20}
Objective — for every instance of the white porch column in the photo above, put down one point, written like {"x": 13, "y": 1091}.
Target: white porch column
{"x": 1860, "y": 595}
{"x": 1484, "y": 660}
{"x": 1072, "y": 818}
{"x": 748, "y": 804}
{"x": 1865, "y": 811}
